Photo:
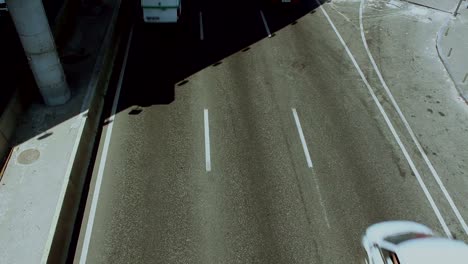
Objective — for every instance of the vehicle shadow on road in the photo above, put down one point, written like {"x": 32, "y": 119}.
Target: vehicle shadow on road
{"x": 162, "y": 56}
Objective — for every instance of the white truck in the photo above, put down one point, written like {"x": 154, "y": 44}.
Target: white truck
{"x": 161, "y": 11}
{"x": 3, "y": 7}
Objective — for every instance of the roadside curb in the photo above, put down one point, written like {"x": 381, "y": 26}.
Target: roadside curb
{"x": 8, "y": 122}
{"x": 442, "y": 51}
{"x": 55, "y": 251}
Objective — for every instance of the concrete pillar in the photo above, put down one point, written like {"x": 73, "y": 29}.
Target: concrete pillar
{"x": 33, "y": 29}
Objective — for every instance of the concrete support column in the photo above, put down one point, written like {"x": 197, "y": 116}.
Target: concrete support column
{"x": 33, "y": 29}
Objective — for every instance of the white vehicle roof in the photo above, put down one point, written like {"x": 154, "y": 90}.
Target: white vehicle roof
{"x": 432, "y": 250}
{"x": 379, "y": 231}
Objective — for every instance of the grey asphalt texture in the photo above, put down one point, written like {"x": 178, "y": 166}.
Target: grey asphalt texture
{"x": 260, "y": 203}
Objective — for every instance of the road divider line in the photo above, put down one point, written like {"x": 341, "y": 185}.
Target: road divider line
{"x": 102, "y": 164}
{"x": 301, "y": 136}
{"x": 322, "y": 204}
{"x": 265, "y": 23}
{"x": 207, "y": 141}
{"x": 408, "y": 127}
{"x": 309, "y": 164}
{"x": 202, "y": 34}
{"x": 390, "y": 126}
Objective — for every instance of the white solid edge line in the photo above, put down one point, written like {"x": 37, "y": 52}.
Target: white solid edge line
{"x": 202, "y": 35}
{"x": 390, "y": 126}
{"x": 207, "y": 141}
{"x": 265, "y": 24}
{"x": 408, "y": 127}
{"x": 301, "y": 136}
{"x": 105, "y": 151}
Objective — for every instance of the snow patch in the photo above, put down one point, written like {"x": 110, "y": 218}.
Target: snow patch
{"x": 398, "y": 7}
{"x": 417, "y": 10}
{"x": 394, "y": 4}
{"x": 422, "y": 14}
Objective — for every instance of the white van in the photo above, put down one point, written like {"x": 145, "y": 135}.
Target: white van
{"x": 161, "y": 11}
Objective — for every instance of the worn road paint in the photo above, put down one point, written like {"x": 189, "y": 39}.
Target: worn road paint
{"x": 391, "y": 127}
{"x": 301, "y": 135}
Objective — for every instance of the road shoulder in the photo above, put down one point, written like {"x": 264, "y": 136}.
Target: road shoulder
{"x": 42, "y": 182}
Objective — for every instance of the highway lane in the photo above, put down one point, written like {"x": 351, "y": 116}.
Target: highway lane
{"x": 259, "y": 202}
{"x": 408, "y": 61}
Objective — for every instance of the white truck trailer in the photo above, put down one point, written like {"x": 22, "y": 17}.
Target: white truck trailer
{"x": 161, "y": 11}
{"x": 3, "y": 7}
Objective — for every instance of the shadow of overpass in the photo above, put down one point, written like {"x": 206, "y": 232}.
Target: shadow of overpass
{"x": 162, "y": 56}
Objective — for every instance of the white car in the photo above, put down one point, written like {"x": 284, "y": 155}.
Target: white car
{"x": 406, "y": 242}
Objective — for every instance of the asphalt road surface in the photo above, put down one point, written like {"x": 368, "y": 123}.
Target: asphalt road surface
{"x": 229, "y": 146}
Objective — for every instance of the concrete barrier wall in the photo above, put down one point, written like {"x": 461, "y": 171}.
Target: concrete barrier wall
{"x": 8, "y": 121}
{"x": 99, "y": 83}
